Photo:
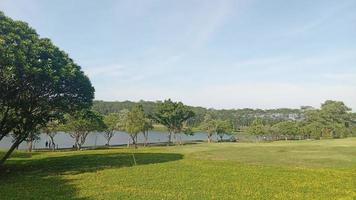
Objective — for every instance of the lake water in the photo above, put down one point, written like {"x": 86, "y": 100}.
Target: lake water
{"x": 97, "y": 139}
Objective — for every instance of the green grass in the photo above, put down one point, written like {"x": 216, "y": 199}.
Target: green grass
{"x": 323, "y": 169}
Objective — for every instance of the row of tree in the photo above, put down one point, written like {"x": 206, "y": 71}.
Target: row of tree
{"x": 237, "y": 117}
{"x": 173, "y": 115}
{"x": 333, "y": 120}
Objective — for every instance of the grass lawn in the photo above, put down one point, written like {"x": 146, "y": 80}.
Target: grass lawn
{"x": 323, "y": 169}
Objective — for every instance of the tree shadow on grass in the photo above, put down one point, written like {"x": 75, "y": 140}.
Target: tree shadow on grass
{"x": 19, "y": 154}
{"x": 43, "y": 178}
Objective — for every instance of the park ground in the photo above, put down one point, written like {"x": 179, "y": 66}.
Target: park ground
{"x": 324, "y": 169}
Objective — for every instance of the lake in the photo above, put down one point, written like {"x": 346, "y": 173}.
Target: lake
{"x": 97, "y": 139}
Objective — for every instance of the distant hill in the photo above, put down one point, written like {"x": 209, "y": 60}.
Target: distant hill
{"x": 239, "y": 117}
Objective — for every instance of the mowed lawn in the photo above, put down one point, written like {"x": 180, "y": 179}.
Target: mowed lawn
{"x": 323, "y": 169}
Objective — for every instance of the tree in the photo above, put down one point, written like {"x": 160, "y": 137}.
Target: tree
{"x": 336, "y": 118}
{"x": 223, "y": 127}
{"x": 112, "y": 122}
{"x": 38, "y": 82}
{"x": 148, "y": 125}
{"x": 209, "y": 126}
{"x": 51, "y": 130}
{"x": 353, "y": 124}
{"x": 30, "y": 139}
{"x": 135, "y": 123}
{"x": 172, "y": 115}
{"x": 81, "y": 123}
{"x": 256, "y": 128}
{"x": 332, "y": 120}
{"x": 286, "y": 128}
{"x": 314, "y": 129}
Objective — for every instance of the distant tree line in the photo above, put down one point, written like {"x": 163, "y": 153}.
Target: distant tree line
{"x": 237, "y": 117}
{"x": 333, "y": 120}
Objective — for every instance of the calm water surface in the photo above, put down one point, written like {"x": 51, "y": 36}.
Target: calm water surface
{"x": 97, "y": 139}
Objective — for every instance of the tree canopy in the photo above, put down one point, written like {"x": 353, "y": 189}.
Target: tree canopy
{"x": 173, "y": 115}
{"x": 112, "y": 122}
{"x": 81, "y": 123}
{"x": 38, "y": 82}
{"x": 135, "y": 122}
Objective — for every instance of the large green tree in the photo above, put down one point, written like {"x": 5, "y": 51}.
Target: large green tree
{"x": 38, "y": 82}
{"x": 173, "y": 115}
{"x": 333, "y": 119}
{"x": 336, "y": 117}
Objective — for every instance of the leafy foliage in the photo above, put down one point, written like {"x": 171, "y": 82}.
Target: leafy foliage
{"x": 173, "y": 115}
{"x": 286, "y": 128}
{"x": 135, "y": 122}
{"x": 81, "y": 123}
{"x": 256, "y": 128}
{"x": 238, "y": 117}
{"x": 38, "y": 82}
{"x": 51, "y": 130}
{"x": 112, "y": 122}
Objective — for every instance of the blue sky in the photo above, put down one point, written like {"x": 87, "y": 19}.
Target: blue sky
{"x": 221, "y": 54}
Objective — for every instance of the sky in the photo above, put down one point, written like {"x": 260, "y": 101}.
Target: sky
{"x": 215, "y": 54}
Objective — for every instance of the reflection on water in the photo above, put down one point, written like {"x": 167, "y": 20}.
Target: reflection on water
{"x": 63, "y": 140}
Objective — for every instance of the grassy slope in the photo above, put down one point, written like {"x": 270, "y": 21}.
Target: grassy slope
{"x": 281, "y": 170}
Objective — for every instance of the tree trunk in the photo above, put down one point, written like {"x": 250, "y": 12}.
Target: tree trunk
{"x": 82, "y": 139}
{"x": 76, "y": 137}
{"x": 136, "y": 140}
{"x": 2, "y": 136}
{"x": 133, "y": 137}
{"x": 108, "y": 135}
{"x": 145, "y": 135}
{"x": 76, "y": 145}
{"x": 108, "y": 141}
{"x": 9, "y": 152}
{"x": 30, "y": 144}
{"x": 169, "y": 138}
{"x": 175, "y": 138}
{"x": 209, "y": 138}
{"x": 53, "y": 144}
